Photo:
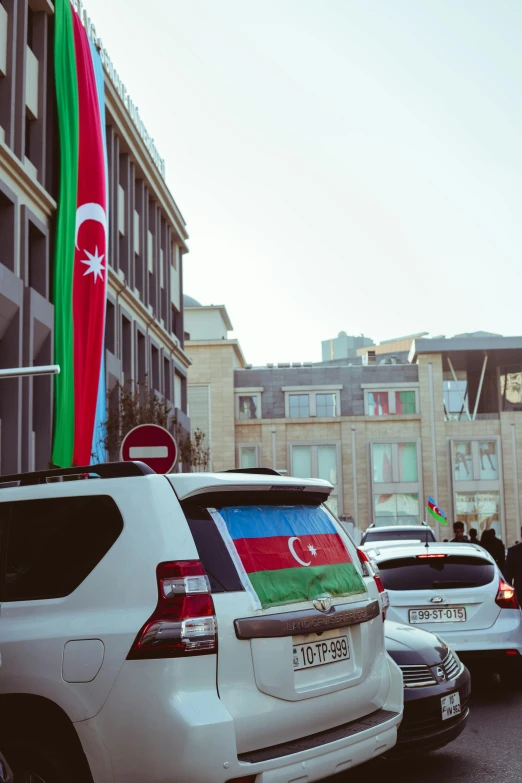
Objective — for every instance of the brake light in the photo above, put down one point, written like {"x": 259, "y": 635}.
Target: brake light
{"x": 506, "y": 596}
{"x": 184, "y": 621}
{"x": 424, "y": 557}
{"x": 370, "y": 569}
{"x": 512, "y": 652}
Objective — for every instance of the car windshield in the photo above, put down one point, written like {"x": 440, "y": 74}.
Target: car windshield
{"x": 399, "y": 535}
{"x": 449, "y": 572}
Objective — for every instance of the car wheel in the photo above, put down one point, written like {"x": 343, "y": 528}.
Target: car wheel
{"x": 32, "y": 762}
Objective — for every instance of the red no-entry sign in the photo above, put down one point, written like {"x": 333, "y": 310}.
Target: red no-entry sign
{"x": 151, "y": 444}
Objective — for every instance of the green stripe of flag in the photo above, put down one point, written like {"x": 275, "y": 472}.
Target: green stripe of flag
{"x": 438, "y": 517}
{"x": 288, "y": 585}
{"x": 68, "y": 123}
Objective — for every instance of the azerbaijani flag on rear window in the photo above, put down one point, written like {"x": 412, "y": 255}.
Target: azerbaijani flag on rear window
{"x": 286, "y": 554}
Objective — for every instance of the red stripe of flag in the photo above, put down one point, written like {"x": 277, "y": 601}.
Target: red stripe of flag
{"x": 276, "y": 552}
{"x": 90, "y": 261}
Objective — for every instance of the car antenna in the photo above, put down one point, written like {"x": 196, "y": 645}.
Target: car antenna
{"x": 427, "y": 529}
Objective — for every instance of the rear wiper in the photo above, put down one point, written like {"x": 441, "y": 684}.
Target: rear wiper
{"x": 456, "y": 583}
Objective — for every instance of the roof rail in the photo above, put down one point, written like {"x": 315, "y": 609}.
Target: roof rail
{"x": 257, "y": 471}
{"x": 104, "y": 471}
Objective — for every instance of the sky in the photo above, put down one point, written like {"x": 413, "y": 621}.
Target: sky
{"x": 345, "y": 165}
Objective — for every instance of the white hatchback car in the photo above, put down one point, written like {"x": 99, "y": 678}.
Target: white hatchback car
{"x": 134, "y": 649}
{"x": 458, "y": 592}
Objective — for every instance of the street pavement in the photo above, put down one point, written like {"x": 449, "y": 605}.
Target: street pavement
{"x": 488, "y": 751}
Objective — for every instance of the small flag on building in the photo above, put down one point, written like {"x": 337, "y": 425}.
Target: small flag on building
{"x": 436, "y": 513}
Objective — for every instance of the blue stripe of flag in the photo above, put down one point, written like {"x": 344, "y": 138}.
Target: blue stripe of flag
{"x": 267, "y": 521}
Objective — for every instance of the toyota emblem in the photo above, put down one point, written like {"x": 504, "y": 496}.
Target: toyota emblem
{"x": 323, "y": 604}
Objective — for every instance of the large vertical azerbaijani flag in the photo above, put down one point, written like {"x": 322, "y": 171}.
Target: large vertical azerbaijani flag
{"x": 286, "y": 554}
{"x": 80, "y": 270}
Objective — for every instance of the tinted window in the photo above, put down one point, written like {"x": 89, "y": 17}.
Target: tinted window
{"x": 445, "y": 573}
{"x": 55, "y": 543}
{"x": 211, "y": 549}
{"x": 399, "y": 535}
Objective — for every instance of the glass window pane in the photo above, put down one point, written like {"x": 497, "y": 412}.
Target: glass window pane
{"x": 398, "y": 509}
{"x": 299, "y": 406}
{"x": 463, "y": 461}
{"x": 325, "y": 404}
{"x": 511, "y": 388}
{"x": 405, "y": 402}
{"x": 302, "y": 461}
{"x": 488, "y": 463}
{"x": 248, "y": 407}
{"x": 453, "y": 400}
{"x": 378, "y": 403}
{"x": 382, "y": 463}
{"x": 480, "y": 510}
{"x": 248, "y": 457}
{"x": 327, "y": 463}
{"x": 408, "y": 462}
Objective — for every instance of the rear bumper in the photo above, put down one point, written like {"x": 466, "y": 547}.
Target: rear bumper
{"x": 164, "y": 736}
{"x": 504, "y": 634}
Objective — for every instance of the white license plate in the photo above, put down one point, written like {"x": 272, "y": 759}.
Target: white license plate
{"x": 450, "y": 706}
{"x": 318, "y": 653}
{"x": 450, "y": 614}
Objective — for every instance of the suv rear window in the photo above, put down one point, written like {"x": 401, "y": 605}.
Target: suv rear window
{"x": 54, "y": 544}
{"x": 445, "y": 573}
{"x": 399, "y": 535}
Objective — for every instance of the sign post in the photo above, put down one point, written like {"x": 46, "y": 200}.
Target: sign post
{"x": 151, "y": 444}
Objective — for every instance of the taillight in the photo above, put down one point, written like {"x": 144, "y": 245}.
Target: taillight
{"x": 506, "y": 596}
{"x": 430, "y": 557}
{"x": 370, "y": 569}
{"x": 184, "y": 621}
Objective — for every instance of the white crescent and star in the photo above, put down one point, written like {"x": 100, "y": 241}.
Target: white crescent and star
{"x": 291, "y": 547}
{"x": 94, "y": 261}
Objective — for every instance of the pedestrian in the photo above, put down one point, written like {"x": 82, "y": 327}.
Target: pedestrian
{"x": 473, "y": 536}
{"x": 494, "y": 546}
{"x": 460, "y": 537}
{"x": 513, "y": 569}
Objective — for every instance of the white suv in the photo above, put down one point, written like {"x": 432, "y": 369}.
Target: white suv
{"x": 133, "y": 648}
{"x": 457, "y": 591}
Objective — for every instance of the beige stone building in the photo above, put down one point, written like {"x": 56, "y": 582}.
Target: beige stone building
{"x": 439, "y": 417}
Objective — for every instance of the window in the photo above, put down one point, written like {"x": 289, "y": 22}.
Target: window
{"x": 299, "y": 406}
{"x": 454, "y": 394}
{"x": 378, "y": 404}
{"x": 511, "y": 388}
{"x": 395, "y": 482}
{"x": 248, "y": 406}
{"x": 480, "y": 510}
{"x": 451, "y": 572}
{"x": 248, "y": 456}
{"x": 386, "y": 402}
{"x": 303, "y": 402}
{"x": 319, "y": 461}
{"x": 477, "y": 483}
{"x": 248, "y": 403}
{"x": 325, "y": 404}
{"x": 55, "y": 543}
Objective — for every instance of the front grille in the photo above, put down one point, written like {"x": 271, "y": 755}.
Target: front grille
{"x": 451, "y": 665}
{"x": 321, "y": 738}
{"x": 417, "y": 676}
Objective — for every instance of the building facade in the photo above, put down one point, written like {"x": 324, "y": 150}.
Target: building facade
{"x": 147, "y": 241}
{"x": 214, "y": 359}
{"x": 439, "y": 417}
